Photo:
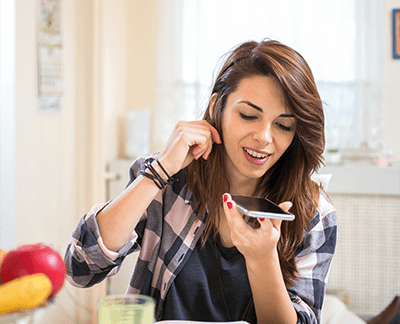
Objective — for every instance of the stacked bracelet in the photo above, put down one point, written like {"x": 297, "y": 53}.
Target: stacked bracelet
{"x": 153, "y": 175}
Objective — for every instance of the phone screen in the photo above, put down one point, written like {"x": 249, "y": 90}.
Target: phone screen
{"x": 260, "y": 207}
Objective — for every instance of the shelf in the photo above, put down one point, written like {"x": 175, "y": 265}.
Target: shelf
{"x": 363, "y": 179}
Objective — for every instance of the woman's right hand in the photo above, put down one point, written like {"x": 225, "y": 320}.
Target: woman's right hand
{"x": 188, "y": 141}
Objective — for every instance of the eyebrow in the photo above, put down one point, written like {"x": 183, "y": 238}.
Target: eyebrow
{"x": 261, "y": 110}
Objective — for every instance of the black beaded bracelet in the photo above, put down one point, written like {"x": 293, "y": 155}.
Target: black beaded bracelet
{"x": 153, "y": 175}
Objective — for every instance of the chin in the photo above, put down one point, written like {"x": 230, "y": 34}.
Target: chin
{"x": 254, "y": 175}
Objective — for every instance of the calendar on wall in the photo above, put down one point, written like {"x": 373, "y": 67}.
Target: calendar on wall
{"x": 50, "y": 56}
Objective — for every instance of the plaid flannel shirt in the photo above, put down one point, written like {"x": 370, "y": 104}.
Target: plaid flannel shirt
{"x": 167, "y": 234}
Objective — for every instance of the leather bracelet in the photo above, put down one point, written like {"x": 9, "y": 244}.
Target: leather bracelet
{"x": 153, "y": 171}
{"x": 165, "y": 172}
{"x": 153, "y": 175}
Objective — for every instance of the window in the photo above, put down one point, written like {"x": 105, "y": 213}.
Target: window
{"x": 7, "y": 125}
{"x": 342, "y": 41}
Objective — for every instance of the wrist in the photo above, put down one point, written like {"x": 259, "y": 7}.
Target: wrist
{"x": 156, "y": 166}
{"x": 168, "y": 166}
{"x": 157, "y": 173}
{"x": 258, "y": 262}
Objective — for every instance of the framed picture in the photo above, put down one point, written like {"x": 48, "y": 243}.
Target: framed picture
{"x": 50, "y": 55}
{"x": 396, "y": 33}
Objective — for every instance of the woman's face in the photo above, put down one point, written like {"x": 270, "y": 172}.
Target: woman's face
{"x": 257, "y": 129}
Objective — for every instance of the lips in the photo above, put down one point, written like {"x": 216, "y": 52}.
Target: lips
{"x": 255, "y": 154}
{"x": 255, "y": 157}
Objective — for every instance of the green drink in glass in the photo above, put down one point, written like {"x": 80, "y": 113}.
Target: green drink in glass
{"x": 123, "y": 309}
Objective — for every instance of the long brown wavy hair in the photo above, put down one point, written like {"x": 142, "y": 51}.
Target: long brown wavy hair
{"x": 289, "y": 178}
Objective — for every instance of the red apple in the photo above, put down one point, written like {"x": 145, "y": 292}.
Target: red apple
{"x": 31, "y": 259}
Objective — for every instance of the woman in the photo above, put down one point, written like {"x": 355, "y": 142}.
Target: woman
{"x": 262, "y": 135}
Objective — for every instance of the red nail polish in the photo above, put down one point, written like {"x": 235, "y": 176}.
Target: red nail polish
{"x": 225, "y": 197}
{"x": 229, "y": 203}
{"x": 261, "y": 219}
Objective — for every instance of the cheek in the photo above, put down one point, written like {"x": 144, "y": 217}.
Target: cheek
{"x": 285, "y": 142}
{"x": 228, "y": 129}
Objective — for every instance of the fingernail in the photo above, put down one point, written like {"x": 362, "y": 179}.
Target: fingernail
{"x": 261, "y": 219}
{"x": 225, "y": 197}
{"x": 229, "y": 203}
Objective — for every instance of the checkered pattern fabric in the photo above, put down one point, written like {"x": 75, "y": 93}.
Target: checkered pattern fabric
{"x": 167, "y": 234}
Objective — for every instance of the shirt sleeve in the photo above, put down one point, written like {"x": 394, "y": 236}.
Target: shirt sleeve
{"x": 87, "y": 259}
{"x": 313, "y": 260}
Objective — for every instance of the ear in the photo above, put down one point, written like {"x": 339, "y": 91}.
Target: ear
{"x": 213, "y": 99}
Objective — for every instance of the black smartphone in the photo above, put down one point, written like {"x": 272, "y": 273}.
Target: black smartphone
{"x": 261, "y": 207}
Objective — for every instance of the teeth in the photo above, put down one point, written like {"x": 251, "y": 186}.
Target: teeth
{"x": 256, "y": 154}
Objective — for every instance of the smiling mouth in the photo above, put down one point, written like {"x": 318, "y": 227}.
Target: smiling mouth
{"x": 256, "y": 155}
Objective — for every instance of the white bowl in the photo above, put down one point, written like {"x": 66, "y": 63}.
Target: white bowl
{"x": 30, "y": 316}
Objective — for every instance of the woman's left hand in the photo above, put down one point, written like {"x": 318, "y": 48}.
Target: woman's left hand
{"x": 253, "y": 243}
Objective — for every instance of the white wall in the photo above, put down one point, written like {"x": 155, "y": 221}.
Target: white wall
{"x": 44, "y": 143}
{"x": 45, "y": 149}
{"x": 109, "y": 54}
{"x": 129, "y": 43}
{"x": 115, "y": 72}
{"x": 56, "y": 176}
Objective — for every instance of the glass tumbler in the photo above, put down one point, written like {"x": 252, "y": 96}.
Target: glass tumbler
{"x": 123, "y": 309}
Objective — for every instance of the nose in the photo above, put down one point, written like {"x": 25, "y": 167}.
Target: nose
{"x": 263, "y": 134}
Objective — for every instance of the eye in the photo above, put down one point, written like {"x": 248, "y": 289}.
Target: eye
{"x": 284, "y": 128}
{"x": 247, "y": 117}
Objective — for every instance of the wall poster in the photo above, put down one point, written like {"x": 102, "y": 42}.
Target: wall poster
{"x": 50, "y": 55}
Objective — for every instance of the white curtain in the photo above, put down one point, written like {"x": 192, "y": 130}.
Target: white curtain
{"x": 342, "y": 40}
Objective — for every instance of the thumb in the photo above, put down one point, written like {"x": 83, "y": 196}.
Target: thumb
{"x": 286, "y": 205}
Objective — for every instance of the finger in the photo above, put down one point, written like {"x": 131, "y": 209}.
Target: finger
{"x": 240, "y": 231}
{"x": 188, "y": 140}
{"x": 212, "y": 130}
{"x": 232, "y": 213}
{"x": 267, "y": 222}
{"x": 196, "y": 151}
{"x": 205, "y": 148}
{"x": 197, "y": 140}
{"x": 212, "y": 136}
{"x": 215, "y": 135}
{"x": 202, "y": 149}
{"x": 286, "y": 205}
{"x": 208, "y": 150}
{"x": 227, "y": 205}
